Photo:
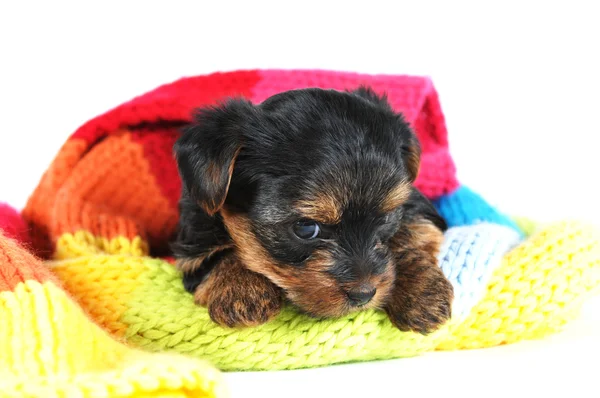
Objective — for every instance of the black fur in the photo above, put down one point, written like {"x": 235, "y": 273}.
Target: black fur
{"x": 292, "y": 145}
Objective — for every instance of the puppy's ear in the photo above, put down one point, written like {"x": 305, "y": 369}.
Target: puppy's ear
{"x": 411, "y": 153}
{"x": 370, "y": 95}
{"x": 207, "y": 149}
{"x": 411, "y": 150}
{"x": 419, "y": 207}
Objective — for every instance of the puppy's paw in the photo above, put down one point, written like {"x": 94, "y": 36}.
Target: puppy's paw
{"x": 248, "y": 302}
{"x": 421, "y": 301}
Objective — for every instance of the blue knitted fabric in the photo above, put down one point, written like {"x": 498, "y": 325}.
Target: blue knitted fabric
{"x": 469, "y": 256}
{"x": 465, "y": 207}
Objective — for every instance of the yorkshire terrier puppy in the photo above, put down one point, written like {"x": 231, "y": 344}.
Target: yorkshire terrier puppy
{"x": 308, "y": 197}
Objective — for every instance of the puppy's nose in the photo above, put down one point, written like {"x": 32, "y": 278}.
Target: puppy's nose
{"x": 360, "y": 297}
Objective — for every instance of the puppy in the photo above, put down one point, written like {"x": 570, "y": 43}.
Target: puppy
{"x": 308, "y": 196}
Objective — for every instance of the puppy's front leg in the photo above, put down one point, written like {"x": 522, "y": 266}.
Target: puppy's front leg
{"x": 236, "y": 296}
{"x": 421, "y": 298}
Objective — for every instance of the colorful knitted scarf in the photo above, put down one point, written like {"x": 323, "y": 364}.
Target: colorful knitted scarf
{"x": 105, "y": 209}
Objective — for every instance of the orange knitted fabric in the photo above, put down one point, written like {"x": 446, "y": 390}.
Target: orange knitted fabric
{"x": 19, "y": 266}
{"x": 116, "y": 175}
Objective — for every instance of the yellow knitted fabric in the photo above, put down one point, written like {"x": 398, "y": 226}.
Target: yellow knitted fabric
{"x": 83, "y": 243}
{"x": 538, "y": 287}
{"x": 49, "y": 347}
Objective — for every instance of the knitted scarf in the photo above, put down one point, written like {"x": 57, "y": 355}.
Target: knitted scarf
{"x": 104, "y": 211}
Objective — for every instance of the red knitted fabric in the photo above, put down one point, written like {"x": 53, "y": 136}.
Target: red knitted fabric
{"x": 13, "y": 225}
{"x": 116, "y": 175}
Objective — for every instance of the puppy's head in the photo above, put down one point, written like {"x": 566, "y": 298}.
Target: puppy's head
{"x": 310, "y": 186}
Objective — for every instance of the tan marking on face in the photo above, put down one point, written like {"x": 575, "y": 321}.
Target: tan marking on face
{"x": 249, "y": 249}
{"x": 396, "y": 197}
{"x": 309, "y": 287}
{"x": 324, "y": 208}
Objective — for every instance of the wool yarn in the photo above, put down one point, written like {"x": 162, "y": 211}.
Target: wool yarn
{"x": 501, "y": 296}
{"x": 51, "y": 348}
{"x": 107, "y": 206}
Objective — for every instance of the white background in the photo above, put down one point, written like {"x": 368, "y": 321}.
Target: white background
{"x": 518, "y": 82}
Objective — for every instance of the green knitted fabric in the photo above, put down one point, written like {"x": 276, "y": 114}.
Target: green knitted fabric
{"x": 143, "y": 301}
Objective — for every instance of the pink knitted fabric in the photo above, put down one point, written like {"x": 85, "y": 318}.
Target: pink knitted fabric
{"x": 414, "y": 96}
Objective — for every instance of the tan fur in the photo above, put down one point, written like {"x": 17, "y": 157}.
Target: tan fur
{"x": 236, "y": 296}
{"x": 309, "y": 287}
{"x": 204, "y": 289}
{"x": 324, "y": 208}
{"x": 396, "y": 197}
{"x": 413, "y": 161}
{"x": 213, "y": 173}
{"x": 412, "y": 290}
{"x": 214, "y": 176}
{"x": 427, "y": 237}
{"x": 193, "y": 263}
{"x": 422, "y": 296}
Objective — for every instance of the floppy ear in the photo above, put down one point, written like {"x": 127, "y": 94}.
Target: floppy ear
{"x": 419, "y": 207}
{"x": 207, "y": 149}
{"x": 411, "y": 153}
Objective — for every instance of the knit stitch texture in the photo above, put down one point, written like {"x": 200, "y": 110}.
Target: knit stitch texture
{"x": 108, "y": 204}
{"x": 51, "y": 348}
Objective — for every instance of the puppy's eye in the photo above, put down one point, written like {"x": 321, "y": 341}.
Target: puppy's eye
{"x": 306, "y": 229}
